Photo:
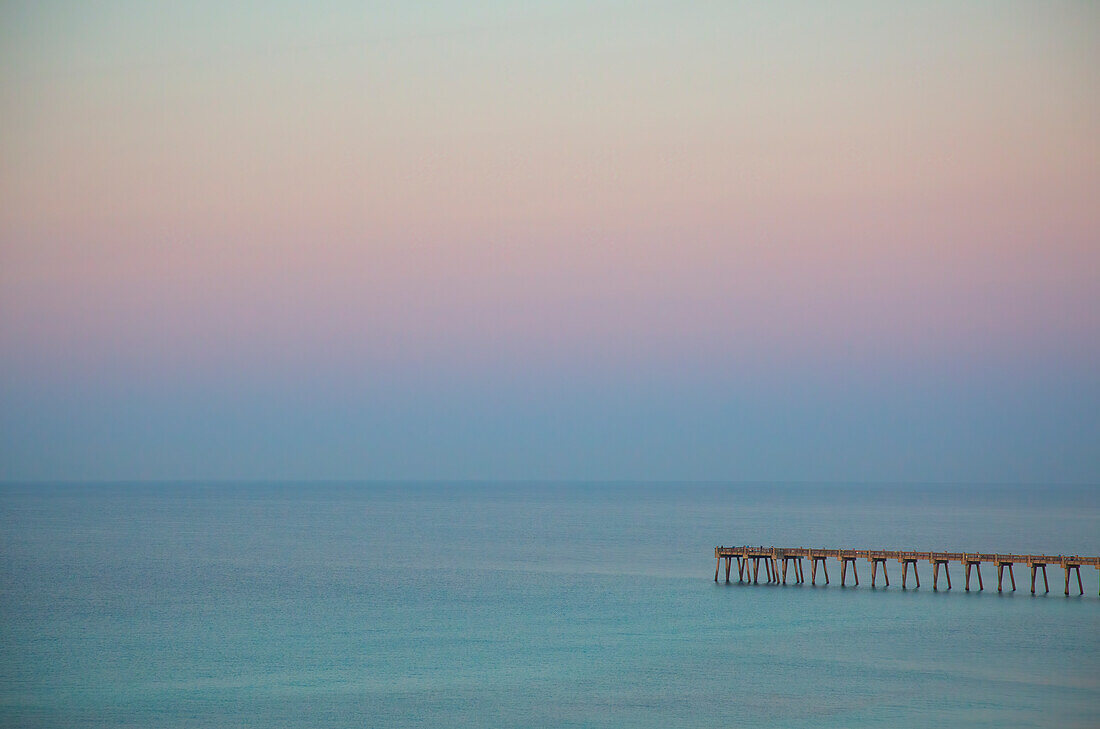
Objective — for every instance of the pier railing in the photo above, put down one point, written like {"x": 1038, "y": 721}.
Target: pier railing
{"x": 771, "y": 557}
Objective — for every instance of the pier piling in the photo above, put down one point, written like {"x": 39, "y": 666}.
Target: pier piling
{"x": 814, "y": 559}
{"x": 1003, "y": 562}
{"x": 971, "y": 562}
{"x": 875, "y": 562}
{"x": 1035, "y": 565}
{"x": 797, "y": 560}
{"x": 1070, "y": 565}
{"x": 905, "y": 562}
{"x": 936, "y": 572}
{"x": 844, "y": 561}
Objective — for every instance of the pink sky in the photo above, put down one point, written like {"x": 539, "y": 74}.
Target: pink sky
{"x": 487, "y": 188}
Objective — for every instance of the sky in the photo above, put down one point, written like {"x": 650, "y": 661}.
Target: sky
{"x": 602, "y": 240}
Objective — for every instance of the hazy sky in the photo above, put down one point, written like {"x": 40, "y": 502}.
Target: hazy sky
{"x": 605, "y": 240}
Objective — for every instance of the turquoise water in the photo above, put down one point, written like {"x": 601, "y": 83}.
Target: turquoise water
{"x": 511, "y": 605}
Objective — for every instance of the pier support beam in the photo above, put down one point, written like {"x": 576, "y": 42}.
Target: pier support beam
{"x": 1000, "y": 574}
{"x": 936, "y": 573}
{"x": 749, "y": 557}
{"x": 797, "y": 568}
{"x": 1068, "y": 567}
{"x": 875, "y": 561}
{"x": 814, "y": 559}
{"x": 1043, "y": 567}
{"x": 978, "y": 566}
{"x": 844, "y": 568}
{"x": 905, "y": 568}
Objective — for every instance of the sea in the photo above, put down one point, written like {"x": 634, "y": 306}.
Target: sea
{"x": 169, "y": 605}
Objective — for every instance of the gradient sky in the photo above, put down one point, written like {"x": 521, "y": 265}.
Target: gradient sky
{"x": 571, "y": 240}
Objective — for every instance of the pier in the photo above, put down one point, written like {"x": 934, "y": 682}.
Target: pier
{"x": 777, "y": 560}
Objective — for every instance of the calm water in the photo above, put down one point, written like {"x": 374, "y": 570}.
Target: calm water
{"x": 459, "y": 605}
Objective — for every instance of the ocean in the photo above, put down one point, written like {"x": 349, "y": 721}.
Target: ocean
{"x": 531, "y": 605}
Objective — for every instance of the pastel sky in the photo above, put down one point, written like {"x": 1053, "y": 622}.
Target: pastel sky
{"x": 573, "y": 240}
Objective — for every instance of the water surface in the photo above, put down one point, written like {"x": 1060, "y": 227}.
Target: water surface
{"x": 527, "y": 605}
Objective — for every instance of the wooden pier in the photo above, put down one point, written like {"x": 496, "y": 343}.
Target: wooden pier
{"x": 772, "y": 557}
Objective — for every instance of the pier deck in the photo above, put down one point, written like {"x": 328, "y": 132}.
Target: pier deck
{"x": 773, "y": 556}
